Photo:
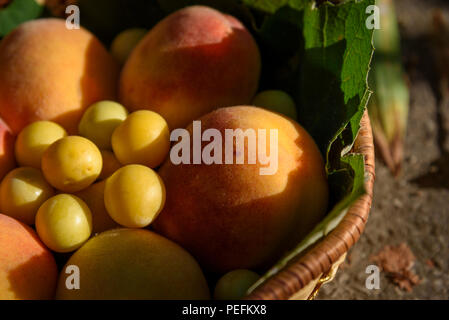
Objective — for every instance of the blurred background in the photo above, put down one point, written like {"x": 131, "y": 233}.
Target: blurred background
{"x": 407, "y": 234}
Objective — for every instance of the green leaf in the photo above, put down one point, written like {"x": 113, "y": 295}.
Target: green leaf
{"x": 321, "y": 56}
{"x": 353, "y": 173}
{"x": 17, "y": 12}
{"x": 333, "y": 90}
{"x": 271, "y": 6}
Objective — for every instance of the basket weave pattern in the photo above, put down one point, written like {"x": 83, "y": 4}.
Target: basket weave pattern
{"x": 320, "y": 259}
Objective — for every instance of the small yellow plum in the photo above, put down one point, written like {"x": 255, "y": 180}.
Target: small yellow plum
{"x": 124, "y": 43}
{"x": 34, "y": 139}
{"x": 100, "y": 120}
{"x": 143, "y": 138}
{"x": 64, "y": 223}
{"x": 134, "y": 195}
{"x": 278, "y": 101}
{"x": 22, "y": 192}
{"x": 72, "y": 163}
{"x": 234, "y": 284}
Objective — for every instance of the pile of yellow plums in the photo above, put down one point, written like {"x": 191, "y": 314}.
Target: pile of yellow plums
{"x": 71, "y": 186}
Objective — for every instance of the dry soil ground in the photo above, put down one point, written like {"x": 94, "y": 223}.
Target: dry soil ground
{"x": 415, "y": 207}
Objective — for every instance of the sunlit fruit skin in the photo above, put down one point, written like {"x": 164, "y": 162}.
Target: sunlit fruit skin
{"x": 134, "y": 195}
{"x": 140, "y": 264}
{"x": 249, "y": 218}
{"x": 22, "y": 192}
{"x": 48, "y": 72}
{"x": 64, "y": 223}
{"x": 124, "y": 43}
{"x": 234, "y": 284}
{"x": 7, "y": 159}
{"x": 93, "y": 196}
{"x": 110, "y": 164}
{"x": 278, "y": 101}
{"x": 34, "y": 139}
{"x": 143, "y": 138}
{"x": 27, "y": 268}
{"x": 100, "y": 120}
{"x": 72, "y": 163}
{"x": 193, "y": 61}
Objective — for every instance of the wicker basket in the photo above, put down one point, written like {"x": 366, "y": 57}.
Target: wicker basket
{"x": 303, "y": 278}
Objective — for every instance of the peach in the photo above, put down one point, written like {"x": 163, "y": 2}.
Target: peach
{"x": 48, "y": 72}
{"x": 7, "y": 159}
{"x": 27, "y": 268}
{"x": 133, "y": 264}
{"x": 193, "y": 61}
{"x": 229, "y": 216}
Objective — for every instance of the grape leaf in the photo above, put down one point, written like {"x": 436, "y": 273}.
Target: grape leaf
{"x": 271, "y": 6}
{"x": 334, "y": 51}
{"x": 17, "y": 12}
{"x": 333, "y": 90}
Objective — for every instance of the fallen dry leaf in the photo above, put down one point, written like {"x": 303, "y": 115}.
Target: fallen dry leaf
{"x": 405, "y": 280}
{"x": 430, "y": 263}
{"x": 397, "y": 262}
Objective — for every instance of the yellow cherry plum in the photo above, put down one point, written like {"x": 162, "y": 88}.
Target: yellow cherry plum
{"x": 124, "y": 43}
{"x": 143, "y": 138}
{"x": 22, "y": 192}
{"x": 234, "y": 284}
{"x": 64, "y": 222}
{"x": 100, "y": 120}
{"x": 34, "y": 139}
{"x": 72, "y": 163}
{"x": 134, "y": 195}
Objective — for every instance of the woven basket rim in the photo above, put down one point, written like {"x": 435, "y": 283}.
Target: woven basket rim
{"x": 326, "y": 252}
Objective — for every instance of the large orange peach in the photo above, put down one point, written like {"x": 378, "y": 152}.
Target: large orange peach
{"x": 7, "y": 159}
{"x": 195, "y": 60}
{"x": 48, "y": 72}
{"x": 133, "y": 264}
{"x": 231, "y": 216}
{"x": 27, "y": 268}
